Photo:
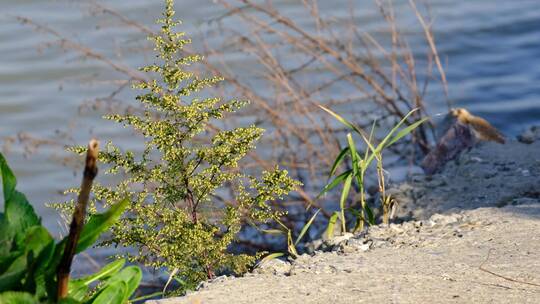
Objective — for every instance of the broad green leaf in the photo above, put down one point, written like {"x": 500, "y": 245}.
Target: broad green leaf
{"x": 338, "y": 161}
{"x": 6, "y": 239}
{"x": 38, "y": 270}
{"x": 99, "y": 223}
{"x": 335, "y": 182}
{"x": 37, "y": 238}
{"x": 9, "y": 182}
{"x": 7, "y": 259}
{"x": 77, "y": 288}
{"x": 17, "y": 297}
{"x": 20, "y": 215}
{"x": 306, "y": 227}
{"x": 114, "y": 293}
{"x": 131, "y": 275}
{"x": 68, "y": 300}
{"x": 329, "y": 232}
{"x": 40, "y": 244}
{"x": 12, "y": 277}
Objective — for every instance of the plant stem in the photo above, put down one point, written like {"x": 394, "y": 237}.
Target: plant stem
{"x": 77, "y": 223}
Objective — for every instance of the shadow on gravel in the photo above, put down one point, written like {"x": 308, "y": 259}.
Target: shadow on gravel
{"x": 489, "y": 175}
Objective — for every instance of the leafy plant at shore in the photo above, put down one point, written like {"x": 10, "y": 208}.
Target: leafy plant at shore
{"x": 30, "y": 257}
{"x": 360, "y": 162}
{"x": 178, "y": 219}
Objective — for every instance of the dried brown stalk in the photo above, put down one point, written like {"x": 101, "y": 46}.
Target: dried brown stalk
{"x": 77, "y": 223}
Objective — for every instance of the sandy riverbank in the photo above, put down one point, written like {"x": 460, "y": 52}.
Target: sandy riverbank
{"x": 470, "y": 234}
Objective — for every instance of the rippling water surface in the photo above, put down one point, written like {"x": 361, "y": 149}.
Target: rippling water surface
{"x": 491, "y": 49}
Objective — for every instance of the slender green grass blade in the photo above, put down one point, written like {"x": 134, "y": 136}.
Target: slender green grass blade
{"x": 343, "y": 121}
{"x": 306, "y": 227}
{"x": 329, "y": 232}
{"x": 343, "y": 200}
{"x": 338, "y": 161}
{"x": 146, "y": 297}
{"x": 371, "y": 217}
{"x": 383, "y": 144}
{"x": 354, "y": 155}
{"x": 271, "y": 256}
{"x": 334, "y": 183}
{"x": 406, "y": 131}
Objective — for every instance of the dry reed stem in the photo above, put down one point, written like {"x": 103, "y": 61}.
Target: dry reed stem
{"x": 77, "y": 222}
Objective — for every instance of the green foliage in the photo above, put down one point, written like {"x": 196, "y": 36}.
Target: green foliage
{"x": 360, "y": 162}
{"x": 178, "y": 218}
{"x": 29, "y": 256}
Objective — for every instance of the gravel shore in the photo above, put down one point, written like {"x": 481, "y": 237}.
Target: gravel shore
{"x": 467, "y": 235}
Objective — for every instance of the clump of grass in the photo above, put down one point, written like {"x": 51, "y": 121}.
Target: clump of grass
{"x": 359, "y": 163}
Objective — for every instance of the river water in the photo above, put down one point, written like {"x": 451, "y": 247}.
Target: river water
{"x": 491, "y": 50}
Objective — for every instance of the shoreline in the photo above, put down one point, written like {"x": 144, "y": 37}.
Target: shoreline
{"x": 467, "y": 234}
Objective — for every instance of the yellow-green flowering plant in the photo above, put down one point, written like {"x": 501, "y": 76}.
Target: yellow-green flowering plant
{"x": 174, "y": 220}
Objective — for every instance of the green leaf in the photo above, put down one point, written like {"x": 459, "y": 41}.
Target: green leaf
{"x": 37, "y": 238}
{"x": 270, "y": 257}
{"x": 343, "y": 200}
{"x": 131, "y": 275}
{"x": 147, "y": 296}
{"x": 38, "y": 271}
{"x": 344, "y": 121}
{"x": 69, "y": 301}
{"x": 114, "y": 293}
{"x": 7, "y": 259}
{"x": 371, "y": 217}
{"x": 366, "y": 161}
{"x": 345, "y": 191}
{"x": 406, "y": 131}
{"x": 14, "y": 274}
{"x": 6, "y": 239}
{"x": 20, "y": 215}
{"x": 291, "y": 248}
{"x": 77, "y": 288}
{"x": 17, "y": 297}
{"x": 354, "y": 156}
{"x": 389, "y": 140}
{"x": 99, "y": 223}
{"x": 329, "y": 232}
{"x": 40, "y": 244}
{"x": 9, "y": 182}
{"x": 338, "y": 161}
{"x": 306, "y": 227}
{"x": 335, "y": 182}
{"x": 383, "y": 143}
